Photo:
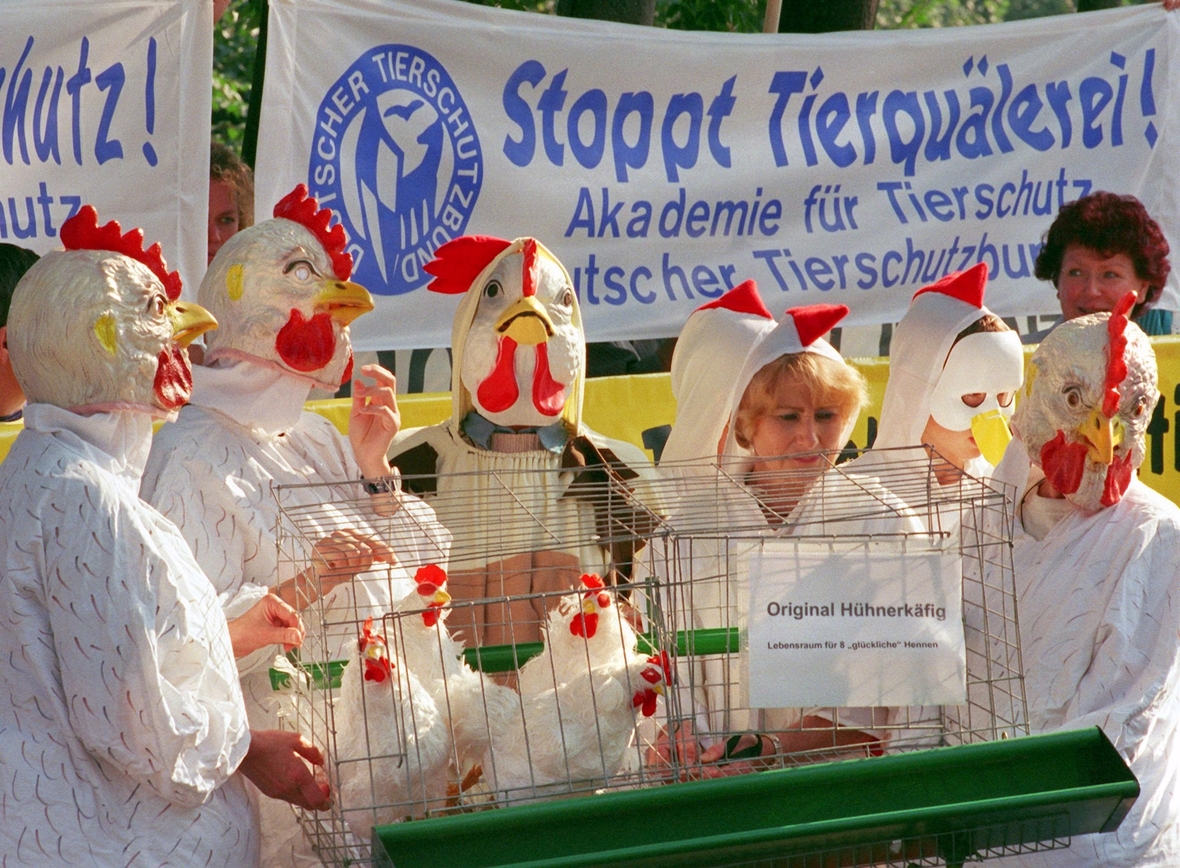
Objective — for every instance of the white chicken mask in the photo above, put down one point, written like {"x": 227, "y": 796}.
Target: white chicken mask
{"x": 1084, "y": 412}
{"x": 990, "y": 364}
{"x": 929, "y": 373}
{"x": 517, "y": 335}
{"x": 99, "y": 326}
{"x": 281, "y": 293}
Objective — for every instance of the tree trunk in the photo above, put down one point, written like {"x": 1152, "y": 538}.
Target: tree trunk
{"x": 827, "y": 16}
{"x": 626, "y": 11}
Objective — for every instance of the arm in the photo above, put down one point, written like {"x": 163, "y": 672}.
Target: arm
{"x": 145, "y": 661}
{"x": 373, "y": 421}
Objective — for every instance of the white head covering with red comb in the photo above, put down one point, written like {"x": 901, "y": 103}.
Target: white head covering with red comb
{"x": 711, "y": 349}
{"x": 281, "y": 293}
{"x": 799, "y": 330}
{"x": 919, "y": 355}
{"x": 90, "y": 328}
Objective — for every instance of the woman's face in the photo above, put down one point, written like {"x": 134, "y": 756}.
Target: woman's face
{"x": 1091, "y": 283}
{"x": 796, "y": 425}
{"x": 223, "y": 215}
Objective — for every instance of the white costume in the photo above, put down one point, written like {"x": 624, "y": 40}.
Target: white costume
{"x": 211, "y": 472}
{"x": 245, "y": 430}
{"x": 125, "y": 723}
{"x": 926, "y": 379}
{"x": 122, "y": 724}
{"x": 712, "y": 345}
{"x": 1099, "y": 588}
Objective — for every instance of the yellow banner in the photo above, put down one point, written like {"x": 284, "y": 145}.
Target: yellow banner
{"x": 634, "y": 408}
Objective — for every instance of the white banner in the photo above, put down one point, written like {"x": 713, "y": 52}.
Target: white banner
{"x": 663, "y": 167}
{"x": 868, "y": 624}
{"x": 108, "y": 105}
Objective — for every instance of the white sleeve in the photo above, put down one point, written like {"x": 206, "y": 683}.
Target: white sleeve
{"x": 146, "y": 664}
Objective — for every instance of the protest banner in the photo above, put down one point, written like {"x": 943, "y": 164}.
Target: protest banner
{"x": 107, "y": 105}
{"x": 663, "y": 167}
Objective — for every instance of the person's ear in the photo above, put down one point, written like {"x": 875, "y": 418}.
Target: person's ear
{"x": 3, "y": 345}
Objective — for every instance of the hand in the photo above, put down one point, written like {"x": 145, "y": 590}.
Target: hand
{"x": 1171, "y": 5}
{"x": 335, "y": 559}
{"x": 685, "y": 752}
{"x": 738, "y": 755}
{"x": 270, "y": 621}
{"x": 277, "y": 763}
{"x": 373, "y": 420}
{"x": 343, "y": 554}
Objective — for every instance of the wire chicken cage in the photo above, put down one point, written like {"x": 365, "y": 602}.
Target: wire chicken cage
{"x": 549, "y": 686}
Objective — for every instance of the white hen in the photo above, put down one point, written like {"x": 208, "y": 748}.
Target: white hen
{"x": 576, "y": 716}
{"x": 393, "y": 746}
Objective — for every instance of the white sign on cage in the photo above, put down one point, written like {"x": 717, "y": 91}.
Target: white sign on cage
{"x": 870, "y": 623}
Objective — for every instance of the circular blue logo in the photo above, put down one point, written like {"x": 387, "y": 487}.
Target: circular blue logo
{"x": 395, "y": 154}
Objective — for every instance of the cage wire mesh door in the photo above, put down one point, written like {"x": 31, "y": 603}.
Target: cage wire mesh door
{"x": 561, "y": 687}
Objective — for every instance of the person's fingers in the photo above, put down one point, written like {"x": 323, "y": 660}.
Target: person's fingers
{"x": 291, "y": 638}
{"x": 309, "y": 751}
{"x": 713, "y": 753}
{"x": 382, "y": 375}
{"x": 280, "y": 614}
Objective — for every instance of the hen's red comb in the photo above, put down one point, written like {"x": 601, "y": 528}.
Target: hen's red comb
{"x": 430, "y": 577}
{"x": 459, "y": 262}
{"x": 300, "y": 208}
{"x": 1116, "y": 356}
{"x": 82, "y": 232}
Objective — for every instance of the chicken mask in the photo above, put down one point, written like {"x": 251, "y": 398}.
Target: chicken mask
{"x": 100, "y": 325}
{"x": 517, "y": 334}
{"x": 929, "y": 373}
{"x": 1085, "y": 408}
{"x": 281, "y": 293}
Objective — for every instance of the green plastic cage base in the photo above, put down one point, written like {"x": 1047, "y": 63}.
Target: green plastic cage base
{"x": 966, "y": 800}
{"x": 509, "y": 658}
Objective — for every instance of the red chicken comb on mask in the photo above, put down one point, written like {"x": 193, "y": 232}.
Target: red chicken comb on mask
{"x": 82, "y": 232}
{"x": 300, "y": 208}
{"x": 1116, "y": 365}
{"x": 457, "y": 263}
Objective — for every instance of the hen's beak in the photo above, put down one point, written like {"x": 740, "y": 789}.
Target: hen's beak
{"x": 526, "y": 322}
{"x": 343, "y": 300}
{"x": 1102, "y": 434}
{"x": 189, "y": 321}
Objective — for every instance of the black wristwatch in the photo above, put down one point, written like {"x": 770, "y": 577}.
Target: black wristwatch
{"x": 383, "y": 485}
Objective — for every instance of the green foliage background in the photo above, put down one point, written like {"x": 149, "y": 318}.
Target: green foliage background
{"x": 236, "y": 35}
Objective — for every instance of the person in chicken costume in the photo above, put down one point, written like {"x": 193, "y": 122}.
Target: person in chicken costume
{"x": 954, "y": 369}
{"x": 785, "y": 411}
{"x": 517, "y": 379}
{"x": 1096, "y": 571}
{"x": 123, "y": 722}
{"x": 281, "y": 294}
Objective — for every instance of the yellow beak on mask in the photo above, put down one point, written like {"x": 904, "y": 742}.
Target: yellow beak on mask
{"x": 991, "y": 434}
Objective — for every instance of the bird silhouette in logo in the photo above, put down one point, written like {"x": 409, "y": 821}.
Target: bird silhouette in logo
{"x": 391, "y": 189}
